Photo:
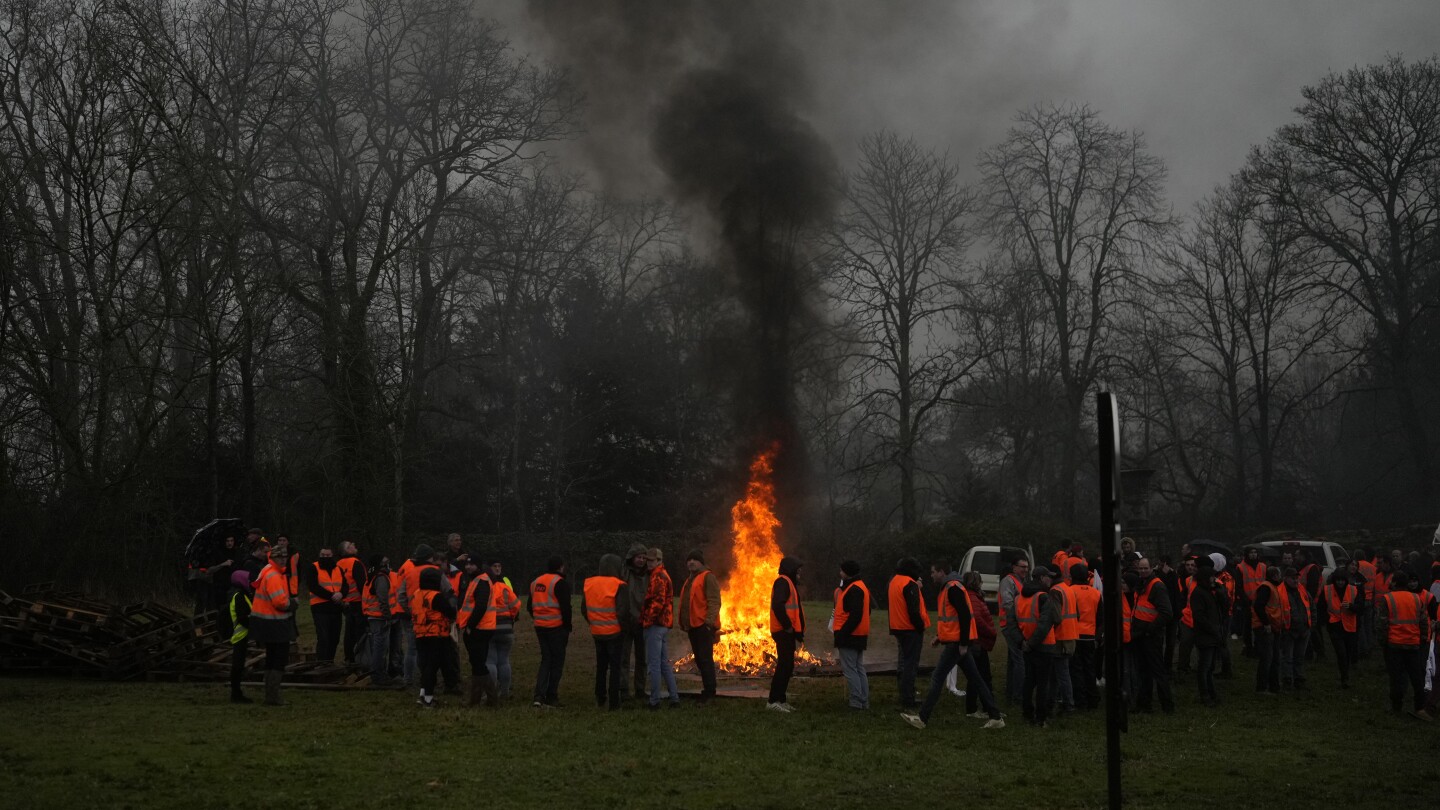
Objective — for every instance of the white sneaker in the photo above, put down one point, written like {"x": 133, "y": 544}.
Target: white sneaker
{"x": 996, "y": 723}
{"x": 912, "y": 719}
{"x": 788, "y": 707}
{"x": 779, "y": 707}
{"x": 978, "y": 714}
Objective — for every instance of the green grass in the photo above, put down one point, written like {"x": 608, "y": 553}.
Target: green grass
{"x": 78, "y": 743}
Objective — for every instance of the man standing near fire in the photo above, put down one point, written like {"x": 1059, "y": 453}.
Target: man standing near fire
{"x": 852, "y": 632}
{"x": 700, "y": 617}
{"x": 908, "y": 620}
{"x": 787, "y": 627}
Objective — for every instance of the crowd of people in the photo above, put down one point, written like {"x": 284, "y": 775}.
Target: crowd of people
{"x": 417, "y": 617}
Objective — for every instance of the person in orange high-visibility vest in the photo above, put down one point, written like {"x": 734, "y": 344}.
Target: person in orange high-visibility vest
{"x": 908, "y": 620}
{"x": 1086, "y": 599}
{"x": 1365, "y": 567}
{"x": 1402, "y": 624}
{"x": 432, "y": 610}
{"x": 957, "y": 633}
{"x": 657, "y": 617}
{"x": 1297, "y": 632}
{"x": 507, "y": 609}
{"x": 1205, "y": 604}
{"x": 549, "y": 607}
{"x": 354, "y": 576}
{"x": 1269, "y": 618}
{"x": 1037, "y": 610}
{"x": 377, "y": 603}
{"x": 1067, "y": 633}
{"x": 1153, "y": 613}
{"x": 1250, "y": 572}
{"x": 476, "y": 619}
{"x": 605, "y": 604}
{"x": 852, "y": 632}
{"x": 1312, "y": 579}
{"x": 270, "y": 622}
{"x": 1344, "y": 602}
{"x": 1186, "y": 641}
{"x": 787, "y": 627}
{"x": 700, "y": 619}
{"x": 326, "y": 583}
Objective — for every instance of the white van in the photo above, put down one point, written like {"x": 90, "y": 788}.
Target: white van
{"x": 1323, "y": 552}
{"x": 993, "y": 564}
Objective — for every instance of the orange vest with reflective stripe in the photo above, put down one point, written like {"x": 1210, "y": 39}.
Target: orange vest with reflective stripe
{"x": 793, "y": 609}
{"x": 468, "y": 607}
{"x": 1408, "y": 623}
{"x": 1019, "y": 587}
{"x": 1069, "y": 627}
{"x": 1382, "y": 582}
{"x": 545, "y": 608}
{"x": 1338, "y": 604}
{"x": 455, "y": 582}
{"x": 1027, "y": 613}
{"x": 1127, "y": 615}
{"x": 1058, "y": 558}
{"x": 900, "y": 618}
{"x": 699, "y": 605}
{"x": 1250, "y": 578}
{"x": 601, "y": 605}
{"x": 1145, "y": 610}
{"x": 1277, "y": 609}
{"x": 272, "y": 594}
{"x": 1228, "y": 581}
{"x": 841, "y": 617}
{"x": 429, "y": 622}
{"x": 371, "y": 604}
{"x": 947, "y": 620}
{"x": 331, "y": 580}
{"x": 1187, "y": 587}
{"x": 347, "y": 570}
{"x": 410, "y": 576}
{"x": 505, "y": 604}
{"x": 1087, "y": 608}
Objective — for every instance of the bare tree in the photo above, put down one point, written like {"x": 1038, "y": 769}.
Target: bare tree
{"x": 1358, "y": 178}
{"x": 899, "y": 247}
{"x": 1075, "y": 202}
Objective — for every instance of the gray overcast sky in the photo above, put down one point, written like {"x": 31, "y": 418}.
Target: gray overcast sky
{"x": 1203, "y": 79}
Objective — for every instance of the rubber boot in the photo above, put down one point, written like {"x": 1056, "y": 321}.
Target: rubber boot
{"x": 472, "y": 697}
{"x": 272, "y": 687}
{"x": 491, "y": 688}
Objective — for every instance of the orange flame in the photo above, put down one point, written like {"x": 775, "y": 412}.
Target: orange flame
{"x": 745, "y": 644}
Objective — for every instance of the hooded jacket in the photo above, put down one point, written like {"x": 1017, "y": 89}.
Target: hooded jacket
{"x": 637, "y": 582}
{"x": 1049, "y": 617}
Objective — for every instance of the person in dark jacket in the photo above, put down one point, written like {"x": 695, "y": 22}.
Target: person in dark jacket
{"x": 1039, "y": 651}
{"x": 953, "y": 600}
{"x": 853, "y": 635}
{"x": 1349, "y": 596}
{"x": 430, "y": 650}
{"x": 1267, "y": 633}
{"x": 637, "y": 581}
{"x": 476, "y": 595}
{"x": 237, "y": 609}
{"x": 1207, "y": 614}
{"x": 328, "y": 611}
{"x": 788, "y": 632}
{"x": 553, "y": 640}
{"x": 986, "y": 633}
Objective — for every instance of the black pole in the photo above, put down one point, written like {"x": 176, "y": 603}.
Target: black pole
{"x": 1108, "y": 419}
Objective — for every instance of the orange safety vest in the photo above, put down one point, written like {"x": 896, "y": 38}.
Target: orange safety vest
{"x": 429, "y": 622}
{"x": 504, "y": 602}
{"x": 1367, "y": 570}
{"x": 841, "y": 617}
{"x": 1019, "y": 587}
{"x": 1187, "y": 587}
{"x": 468, "y": 607}
{"x": 900, "y": 618}
{"x": 1027, "y": 612}
{"x": 1250, "y": 578}
{"x": 1228, "y": 581}
{"x": 793, "y": 609}
{"x": 699, "y": 605}
{"x": 601, "y": 605}
{"x": 1058, "y": 558}
{"x": 1408, "y": 624}
{"x": 947, "y": 619}
{"x": 1127, "y": 615}
{"x": 1277, "y": 609}
{"x": 455, "y": 581}
{"x": 347, "y": 569}
{"x": 1145, "y": 610}
{"x": 1069, "y": 629}
{"x": 544, "y": 606}
{"x": 272, "y": 594}
{"x": 396, "y": 609}
{"x": 1305, "y": 575}
{"x": 1382, "y": 582}
{"x": 1304, "y": 600}
{"x": 1087, "y": 608}
{"x": 410, "y": 577}
{"x": 1339, "y": 605}
{"x": 371, "y": 604}
{"x": 332, "y": 580}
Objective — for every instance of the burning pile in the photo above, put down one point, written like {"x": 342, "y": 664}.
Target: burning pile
{"x": 745, "y": 645}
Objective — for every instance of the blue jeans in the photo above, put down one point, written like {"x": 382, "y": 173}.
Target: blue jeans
{"x": 950, "y": 658}
{"x": 379, "y": 651}
{"x": 499, "y": 661}
{"x": 658, "y": 663}
{"x": 1064, "y": 692}
{"x": 853, "y": 663}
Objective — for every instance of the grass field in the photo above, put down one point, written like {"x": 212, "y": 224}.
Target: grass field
{"x": 138, "y": 745}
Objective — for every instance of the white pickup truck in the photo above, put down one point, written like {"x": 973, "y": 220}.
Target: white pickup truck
{"x": 993, "y": 563}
